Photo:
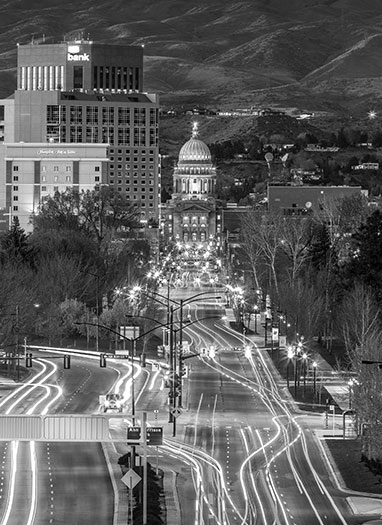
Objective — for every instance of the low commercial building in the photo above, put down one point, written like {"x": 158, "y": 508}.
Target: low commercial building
{"x": 303, "y": 200}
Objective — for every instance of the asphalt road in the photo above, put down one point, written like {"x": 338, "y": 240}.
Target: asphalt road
{"x": 240, "y": 453}
{"x": 256, "y": 461}
{"x": 63, "y": 483}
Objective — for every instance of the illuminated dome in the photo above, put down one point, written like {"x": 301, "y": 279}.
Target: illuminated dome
{"x": 194, "y": 150}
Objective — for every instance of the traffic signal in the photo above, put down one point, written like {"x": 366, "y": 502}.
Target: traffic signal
{"x": 28, "y": 360}
{"x": 66, "y": 361}
{"x": 102, "y": 361}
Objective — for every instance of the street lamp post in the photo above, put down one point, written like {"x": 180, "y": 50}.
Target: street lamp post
{"x": 295, "y": 371}
{"x": 290, "y": 356}
{"x": 255, "y": 309}
{"x": 314, "y": 380}
{"x": 304, "y": 361}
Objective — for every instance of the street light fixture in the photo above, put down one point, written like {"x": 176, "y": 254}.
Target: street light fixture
{"x": 290, "y": 356}
{"x": 255, "y": 308}
{"x": 314, "y": 364}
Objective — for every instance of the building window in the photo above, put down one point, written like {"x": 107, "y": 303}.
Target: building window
{"x": 43, "y": 168}
{"x": 78, "y": 77}
{"x": 96, "y": 179}
{"x": 123, "y": 116}
{"x": 108, "y": 115}
{"x": 15, "y": 208}
{"x": 55, "y": 168}
{"x": 43, "y": 178}
{"x": 15, "y": 188}
{"x": 96, "y": 168}
{"x": 56, "y": 179}
{"x": 75, "y": 114}
{"x": 68, "y": 178}
{"x": 55, "y": 188}
{"x": 15, "y": 168}
{"x": 75, "y": 134}
{"x": 68, "y": 168}
{"x": 15, "y": 198}
{"x": 139, "y": 116}
{"x": 91, "y": 115}
{"x": 15, "y": 178}
{"x": 43, "y": 188}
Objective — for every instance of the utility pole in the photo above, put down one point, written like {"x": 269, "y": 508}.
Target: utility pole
{"x": 144, "y": 436}
{"x": 17, "y": 331}
{"x": 172, "y": 372}
{"x": 180, "y": 362}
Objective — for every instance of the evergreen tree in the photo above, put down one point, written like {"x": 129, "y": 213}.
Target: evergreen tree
{"x": 14, "y": 245}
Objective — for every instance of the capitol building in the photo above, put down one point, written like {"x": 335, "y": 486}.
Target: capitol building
{"x": 191, "y": 215}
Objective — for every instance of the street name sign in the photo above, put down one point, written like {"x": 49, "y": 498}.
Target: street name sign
{"x": 133, "y": 435}
{"x": 154, "y": 435}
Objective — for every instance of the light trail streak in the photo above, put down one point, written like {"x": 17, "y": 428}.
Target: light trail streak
{"x": 154, "y": 378}
{"x": 11, "y": 489}
{"x": 33, "y": 504}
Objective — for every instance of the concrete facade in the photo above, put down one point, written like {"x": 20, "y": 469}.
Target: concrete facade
{"x": 82, "y": 92}
{"x": 34, "y": 171}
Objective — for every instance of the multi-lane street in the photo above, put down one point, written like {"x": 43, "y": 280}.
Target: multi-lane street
{"x": 241, "y": 452}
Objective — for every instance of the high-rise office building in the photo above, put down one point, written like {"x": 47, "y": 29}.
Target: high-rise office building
{"x": 82, "y": 92}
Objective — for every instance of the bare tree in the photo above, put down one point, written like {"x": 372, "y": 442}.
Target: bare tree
{"x": 295, "y": 239}
{"x": 263, "y": 235}
{"x": 360, "y": 316}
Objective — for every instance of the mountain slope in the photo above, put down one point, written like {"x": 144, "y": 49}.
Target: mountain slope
{"x": 225, "y": 53}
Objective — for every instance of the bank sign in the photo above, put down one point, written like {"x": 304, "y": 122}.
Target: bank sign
{"x": 75, "y": 55}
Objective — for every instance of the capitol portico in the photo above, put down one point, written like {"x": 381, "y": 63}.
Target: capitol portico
{"x": 191, "y": 215}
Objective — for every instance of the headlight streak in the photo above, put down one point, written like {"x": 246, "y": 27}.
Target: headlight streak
{"x": 218, "y": 468}
{"x": 247, "y": 500}
{"x": 191, "y": 453}
{"x": 277, "y": 398}
{"x": 21, "y": 388}
{"x": 320, "y": 484}
{"x": 33, "y": 387}
{"x": 272, "y": 488}
{"x": 33, "y": 504}
{"x": 213, "y": 425}
{"x": 48, "y": 389}
{"x": 288, "y": 444}
{"x": 195, "y": 471}
{"x": 153, "y": 379}
{"x": 11, "y": 490}
{"x": 28, "y": 388}
{"x": 286, "y": 447}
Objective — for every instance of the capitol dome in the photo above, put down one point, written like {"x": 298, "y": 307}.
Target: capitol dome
{"x": 194, "y": 150}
